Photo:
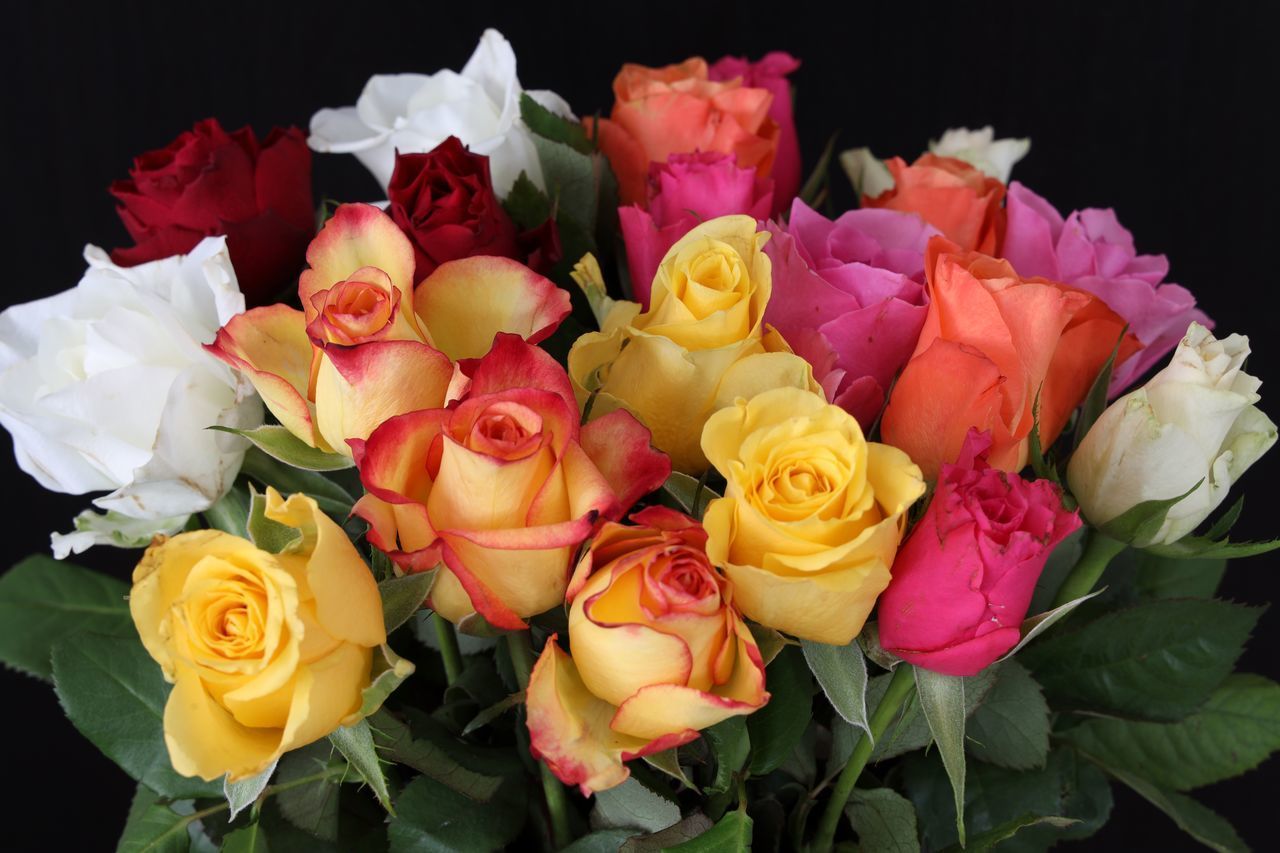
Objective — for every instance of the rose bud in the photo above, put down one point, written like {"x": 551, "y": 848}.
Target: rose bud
{"x": 266, "y": 652}
{"x": 1194, "y": 427}
{"x": 963, "y": 580}
{"x": 659, "y": 653}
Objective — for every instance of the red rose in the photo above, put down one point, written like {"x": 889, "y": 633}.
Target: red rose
{"x": 208, "y": 182}
{"x": 444, "y": 201}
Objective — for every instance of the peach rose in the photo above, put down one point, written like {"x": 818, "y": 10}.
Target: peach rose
{"x": 952, "y": 196}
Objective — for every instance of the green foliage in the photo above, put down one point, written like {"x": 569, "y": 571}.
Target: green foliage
{"x": 841, "y": 671}
{"x": 1095, "y": 402}
{"x": 1011, "y": 726}
{"x": 631, "y": 805}
{"x": 778, "y": 726}
{"x": 884, "y": 820}
{"x": 240, "y": 795}
{"x": 432, "y": 753}
{"x": 312, "y": 806}
{"x": 331, "y": 497}
{"x": 1201, "y": 823}
{"x": 280, "y": 444}
{"x": 356, "y": 745}
{"x": 403, "y": 596}
{"x": 248, "y": 839}
{"x": 730, "y": 746}
{"x": 153, "y": 827}
{"x": 942, "y": 700}
{"x": 731, "y": 834}
{"x": 433, "y": 818}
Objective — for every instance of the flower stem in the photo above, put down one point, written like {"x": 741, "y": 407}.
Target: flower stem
{"x": 448, "y": 641}
{"x": 520, "y": 644}
{"x": 900, "y": 687}
{"x": 1098, "y": 552}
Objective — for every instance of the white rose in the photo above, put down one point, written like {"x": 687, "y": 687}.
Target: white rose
{"x": 416, "y": 112}
{"x": 980, "y": 149}
{"x": 106, "y": 387}
{"x": 1194, "y": 422}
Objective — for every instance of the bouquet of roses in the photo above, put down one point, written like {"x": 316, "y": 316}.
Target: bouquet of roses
{"x": 599, "y": 490}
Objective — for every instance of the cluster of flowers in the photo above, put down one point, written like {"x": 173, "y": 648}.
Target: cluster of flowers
{"x": 958, "y": 319}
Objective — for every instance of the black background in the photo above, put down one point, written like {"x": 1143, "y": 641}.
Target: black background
{"x": 1160, "y": 110}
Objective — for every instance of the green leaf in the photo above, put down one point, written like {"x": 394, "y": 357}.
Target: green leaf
{"x": 884, "y": 820}
{"x": 240, "y": 795}
{"x": 1034, "y": 626}
{"x": 430, "y": 755}
{"x": 270, "y": 535}
{"x": 431, "y": 818}
{"x": 1201, "y": 823}
{"x": 389, "y": 672}
{"x": 249, "y": 839}
{"x": 1095, "y": 402}
{"x": 942, "y": 700}
{"x": 604, "y": 841}
{"x": 527, "y": 205}
{"x": 153, "y": 827}
{"x": 403, "y": 596}
{"x": 1170, "y": 577}
{"x": 632, "y": 805}
{"x": 312, "y": 807}
{"x": 92, "y": 672}
{"x": 686, "y": 830}
{"x": 842, "y": 673}
{"x": 1141, "y": 522}
{"x": 993, "y": 837}
{"x": 570, "y": 179}
{"x": 1044, "y": 468}
{"x": 911, "y": 730}
{"x": 1011, "y": 726}
{"x": 1226, "y": 521}
{"x": 356, "y": 745}
{"x": 814, "y": 191}
{"x": 497, "y": 709}
{"x": 280, "y": 444}
{"x": 1235, "y": 730}
{"x": 548, "y": 125}
{"x": 668, "y": 761}
{"x": 869, "y": 639}
{"x": 778, "y": 726}
{"x": 1158, "y": 660}
{"x": 769, "y": 641}
{"x": 690, "y": 495}
{"x": 1060, "y": 563}
{"x": 732, "y": 833}
{"x": 730, "y": 746}
{"x": 230, "y": 513}
{"x": 1202, "y": 548}
{"x": 331, "y": 498}
{"x": 43, "y": 600}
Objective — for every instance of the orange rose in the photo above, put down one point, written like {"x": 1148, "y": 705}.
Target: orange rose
{"x": 991, "y": 341}
{"x": 949, "y": 194}
{"x": 678, "y": 110}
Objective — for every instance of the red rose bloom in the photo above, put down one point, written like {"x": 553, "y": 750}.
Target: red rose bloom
{"x": 208, "y": 182}
{"x": 444, "y": 201}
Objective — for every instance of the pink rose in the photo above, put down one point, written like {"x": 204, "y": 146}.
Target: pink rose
{"x": 771, "y": 73}
{"x": 1091, "y": 250}
{"x": 686, "y": 190}
{"x": 962, "y": 582}
{"x": 849, "y": 299}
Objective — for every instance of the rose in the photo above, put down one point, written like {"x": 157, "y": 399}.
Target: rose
{"x": 980, "y": 149}
{"x": 444, "y": 202}
{"x": 993, "y": 344}
{"x": 412, "y": 113}
{"x": 502, "y": 486}
{"x": 208, "y": 183}
{"x": 266, "y": 652}
{"x": 849, "y": 298}
{"x": 677, "y": 109}
{"x": 659, "y": 652}
{"x": 949, "y": 194}
{"x": 811, "y": 515}
{"x": 683, "y": 191}
{"x": 770, "y": 72}
{"x": 701, "y": 344}
{"x": 963, "y": 580}
{"x": 1192, "y": 430}
{"x": 1091, "y": 250}
{"x": 104, "y": 387}
{"x": 368, "y": 345}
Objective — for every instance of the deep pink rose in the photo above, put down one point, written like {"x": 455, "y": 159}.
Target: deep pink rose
{"x": 686, "y": 190}
{"x": 963, "y": 580}
{"x": 1091, "y": 250}
{"x": 771, "y": 73}
{"x": 849, "y": 298}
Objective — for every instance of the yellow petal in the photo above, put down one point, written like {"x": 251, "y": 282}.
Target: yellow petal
{"x": 357, "y": 236}
{"x": 205, "y": 740}
{"x": 327, "y": 695}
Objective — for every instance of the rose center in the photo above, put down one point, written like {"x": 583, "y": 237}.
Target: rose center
{"x": 506, "y": 430}
{"x": 715, "y": 280}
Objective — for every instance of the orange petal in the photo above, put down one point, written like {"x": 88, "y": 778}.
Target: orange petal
{"x": 356, "y": 236}
{"x": 620, "y": 447}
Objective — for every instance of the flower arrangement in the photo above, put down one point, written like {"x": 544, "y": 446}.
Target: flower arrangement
{"x": 601, "y": 488}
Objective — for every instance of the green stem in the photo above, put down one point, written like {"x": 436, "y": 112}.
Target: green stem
{"x": 520, "y": 644}
{"x": 448, "y": 640}
{"x": 1093, "y": 562}
{"x": 900, "y": 687}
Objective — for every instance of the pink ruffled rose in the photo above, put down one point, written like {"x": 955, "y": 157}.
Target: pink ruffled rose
{"x": 770, "y": 73}
{"x": 849, "y": 298}
{"x": 1091, "y": 250}
{"x": 963, "y": 581}
{"x": 686, "y": 190}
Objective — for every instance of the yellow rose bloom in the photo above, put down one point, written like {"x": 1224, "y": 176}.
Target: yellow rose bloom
{"x": 812, "y": 513}
{"x": 266, "y": 652}
{"x": 701, "y": 344}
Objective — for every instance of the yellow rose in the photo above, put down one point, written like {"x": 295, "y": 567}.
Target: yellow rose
{"x": 266, "y": 652}
{"x": 812, "y": 513}
{"x": 701, "y": 344}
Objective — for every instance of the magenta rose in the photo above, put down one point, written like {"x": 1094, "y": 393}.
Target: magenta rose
{"x": 686, "y": 190}
{"x": 849, "y": 298}
{"x": 963, "y": 580}
{"x": 771, "y": 73}
{"x": 1091, "y": 250}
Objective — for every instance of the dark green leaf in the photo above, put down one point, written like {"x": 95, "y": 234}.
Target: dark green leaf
{"x": 731, "y": 834}
{"x": 668, "y": 761}
{"x": 1060, "y": 563}
{"x": 1202, "y": 548}
{"x": 1158, "y": 660}
{"x": 910, "y": 730}
{"x": 815, "y": 186}
{"x": 230, "y": 513}
{"x": 1034, "y": 626}
{"x": 570, "y": 179}
{"x": 431, "y": 818}
{"x": 1095, "y": 402}
{"x": 1170, "y": 577}
{"x": 331, "y": 497}
{"x": 942, "y": 701}
{"x": 266, "y": 533}
{"x": 493, "y": 712}
{"x": 388, "y": 672}
{"x": 43, "y": 600}
{"x": 842, "y": 673}
{"x": 686, "y": 830}
{"x": 993, "y": 837}
{"x": 280, "y": 444}
{"x": 1011, "y": 726}
{"x": 527, "y": 205}
{"x": 1044, "y": 468}
{"x": 633, "y": 806}
{"x": 730, "y": 745}
{"x": 1226, "y": 521}
{"x": 690, "y": 495}
{"x": 153, "y": 827}
{"x": 548, "y": 125}
{"x": 1201, "y": 823}
{"x": 92, "y": 672}
{"x": 604, "y": 841}
{"x": 429, "y": 754}
{"x": 778, "y": 726}
{"x": 356, "y": 745}
{"x": 312, "y": 807}
{"x": 1141, "y": 522}
{"x": 884, "y": 820}
{"x": 403, "y": 596}
{"x": 249, "y": 839}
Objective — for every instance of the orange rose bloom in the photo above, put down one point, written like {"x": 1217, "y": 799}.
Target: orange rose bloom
{"x": 677, "y": 110}
{"x": 960, "y": 201}
{"x": 991, "y": 341}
